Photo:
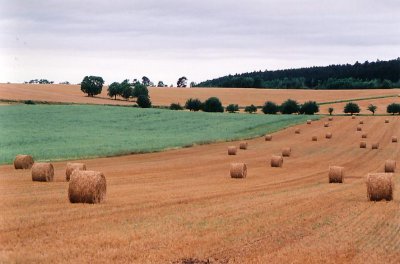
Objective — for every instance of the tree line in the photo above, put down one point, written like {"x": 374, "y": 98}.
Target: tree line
{"x": 39, "y": 81}
{"x": 367, "y": 75}
{"x": 182, "y": 82}
{"x": 213, "y": 104}
{"x": 290, "y": 106}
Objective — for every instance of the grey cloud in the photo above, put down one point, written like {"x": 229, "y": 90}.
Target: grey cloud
{"x": 275, "y": 30}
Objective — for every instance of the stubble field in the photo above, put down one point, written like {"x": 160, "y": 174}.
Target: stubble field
{"x": 181, "y": 205}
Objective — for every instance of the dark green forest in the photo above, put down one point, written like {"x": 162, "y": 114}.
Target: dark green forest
{"x": 367, "y": 75}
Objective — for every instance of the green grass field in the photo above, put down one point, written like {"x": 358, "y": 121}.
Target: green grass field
{"x": 58, "y": 132}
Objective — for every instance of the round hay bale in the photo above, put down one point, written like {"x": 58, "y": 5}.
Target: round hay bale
{"x": 386, "y": 121}
{"x": 361, "y": 122}
{"x": 243, "y": 145}
{"x": 268, "y": 137}
{"x": 23, "y": 162}
{"x": 232, "y": 150}
{"x": 375, "y": 146}
{"x": 73, "y": 166}
{"x": 359, "y": 128}
{"x": 309, "y": 122}
{"x": 276, "y": 161}
{"x": 380, "y": 186}
{"x": 394, "y": 139}
{"x": 336, "y": 174}
{"x": 363, "y": 144}
{"x": 328, "y": 135}
{"x": 42, "y": 171}
{"x": 353, "y": 117}
{"x": 286, "y": 152}
{"x": 390, "y": 166}
{"x": 364, "y": 135}
{"x": 87, "y": 187}
{"x": 238, "y": 170}
{"x": 330, "y": 118}
{"x": 297, "y": 130}
{"x": 326, "y": 124}
{"x": 314, "y": 138}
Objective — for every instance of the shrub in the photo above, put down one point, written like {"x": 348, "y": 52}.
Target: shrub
{"x": 193, "y": 104}
{"x": 175, "y": 106}
{"x": 393, "y": 108}
{"x": 351, "y": 108}
{"x": 290, "y": 107}
{"x": 250, "y": 109}
{"x": 232, "y": 108}
{"x": 309, "y": 108}
{"x": 270, "y": 108}
{"x": 29, "y": 102}
{"x": 330, "y": 110}
{"x": 143, "y": 101}
{"x": 372, "y": 108}
{"x": 213, "y": 104}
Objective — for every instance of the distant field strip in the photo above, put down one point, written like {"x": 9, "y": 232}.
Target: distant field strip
{"x": 359, "y": 99}
{"x": 57, "y": 132}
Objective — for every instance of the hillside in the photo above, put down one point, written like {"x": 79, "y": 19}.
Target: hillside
{"x": 367, "y": 75}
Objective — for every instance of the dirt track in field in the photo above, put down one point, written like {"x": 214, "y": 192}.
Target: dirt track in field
{"x": 182, "y": 204}
{"x": 166, "y": 96}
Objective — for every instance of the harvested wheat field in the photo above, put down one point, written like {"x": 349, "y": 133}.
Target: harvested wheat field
{"x": 166, "y": 96}
{"x": 55, "y": 93}
{"x": 246, "y": 96}
{"x": 181, "y": 205}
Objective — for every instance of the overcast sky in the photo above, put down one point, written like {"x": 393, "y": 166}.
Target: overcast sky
{"x": 200, "y": 39}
